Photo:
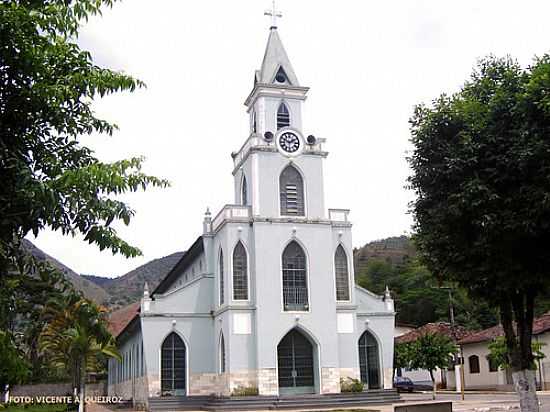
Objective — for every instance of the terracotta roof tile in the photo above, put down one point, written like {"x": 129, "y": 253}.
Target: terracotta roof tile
{"x": 119, "y": 319}
{"x": 540, "y": 325}
{"x": 441, "y": 328}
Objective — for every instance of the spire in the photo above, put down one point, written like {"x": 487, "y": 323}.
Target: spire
{"x": 276, "y": 67}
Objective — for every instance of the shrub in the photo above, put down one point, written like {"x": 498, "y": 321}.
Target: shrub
{"x": 351, "y": 385}
{"x": 245, "y": 391}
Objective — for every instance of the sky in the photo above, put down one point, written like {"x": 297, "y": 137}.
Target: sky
{"x": 368, "y": 63}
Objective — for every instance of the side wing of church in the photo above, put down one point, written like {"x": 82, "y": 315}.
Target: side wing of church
{"x": 265, "y": 299}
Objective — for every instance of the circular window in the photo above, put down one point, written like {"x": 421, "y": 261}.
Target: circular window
{"x": 280, "y": 78}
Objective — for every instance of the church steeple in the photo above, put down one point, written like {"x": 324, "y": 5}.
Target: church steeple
{"x": 276, "y": 67}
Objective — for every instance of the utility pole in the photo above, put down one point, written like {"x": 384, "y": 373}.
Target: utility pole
{"x": 453, "y": 329}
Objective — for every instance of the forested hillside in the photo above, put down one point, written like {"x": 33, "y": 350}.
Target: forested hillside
{"x": 391, "y": 261}
{"x": 419, "y": 299}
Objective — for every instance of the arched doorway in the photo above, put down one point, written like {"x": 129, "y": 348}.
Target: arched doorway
{"x": 173, "y": 366}
{"x": 295, "y": 362}
{"x": 369, "y": 361}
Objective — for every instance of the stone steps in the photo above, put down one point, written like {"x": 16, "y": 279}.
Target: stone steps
{"x": 244, "y": 403}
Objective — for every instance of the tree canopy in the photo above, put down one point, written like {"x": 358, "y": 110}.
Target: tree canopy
{"x": 481, "y": 175}
{"x": 49, "y": 179}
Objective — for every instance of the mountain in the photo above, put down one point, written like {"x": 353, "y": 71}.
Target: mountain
{"x": 89, "y": 289}
{"x": 128, "y": 288}
{"x": 112, "y": 292}
{"x": 394, "y": 250}
{"x": 98, "y": 280}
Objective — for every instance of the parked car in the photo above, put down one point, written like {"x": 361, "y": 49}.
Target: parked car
{"x": 403, "y": 384}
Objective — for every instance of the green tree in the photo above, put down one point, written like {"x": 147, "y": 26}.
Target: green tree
{"x": 75, "y": 337}
{"x": 498, "y": 353}
{"x": 50, "y": 180}
{"x": 401, "y": 356}
{"x": 14, "y": 369}
{"x": 431, "y": 351}
{"x": 481, "y": 174}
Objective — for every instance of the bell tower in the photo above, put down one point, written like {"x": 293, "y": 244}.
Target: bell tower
{"x": 278, "y": 170}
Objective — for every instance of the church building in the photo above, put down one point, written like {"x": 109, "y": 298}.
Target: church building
{"x": 264, "y": 301}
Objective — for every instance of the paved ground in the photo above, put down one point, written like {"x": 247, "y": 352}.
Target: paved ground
{"x": 474, "y": 401}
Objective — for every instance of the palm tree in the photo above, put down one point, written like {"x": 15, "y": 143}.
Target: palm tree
{"x": 75, "y": 336}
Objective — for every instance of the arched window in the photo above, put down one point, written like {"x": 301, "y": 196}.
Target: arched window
{"x": 222, "y": 354}
{"x": 295, "y": 296}
{"x": 173, "y": 366}
{"x": 369, "y": 362}
{"x": 342, "y": 275}
{"x": 291, "y": 187}
{"x": 254, "y": 128}
{"x": 283, "y": 116}
{"x": 473, "y": 362}
{"x": 244, "y": 192}
{"x": 222, "y": 297}
{"x": 240, "y": 273}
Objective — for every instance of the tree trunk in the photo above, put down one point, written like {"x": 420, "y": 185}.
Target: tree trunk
{"x": 434, "y": 386}
{"x": 519, "y": 306}
{"x": 81, "y": 405}
{"x": 525, "y": 386}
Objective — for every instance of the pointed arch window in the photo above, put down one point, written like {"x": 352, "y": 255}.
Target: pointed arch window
{"x": 341, "y": 273}
{"x": 222, "y": 354}
{"x": 221, "y": 274}
{"x": 291, "y": 188}
{"x": 244, "y": 191}
{"x": 173, "y": 366}
{"x": 295, "y": 294}
{"x": 369, "y": 361}
{"x": 240, "y": 273}
{"x": 283, "y": 116}
{"x": 254, "y": 127}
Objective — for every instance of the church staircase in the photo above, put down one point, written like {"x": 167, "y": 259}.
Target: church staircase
{"x": 244, "y": 403}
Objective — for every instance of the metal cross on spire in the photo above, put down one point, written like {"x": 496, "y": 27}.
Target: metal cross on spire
{"x": 274, "y": 15}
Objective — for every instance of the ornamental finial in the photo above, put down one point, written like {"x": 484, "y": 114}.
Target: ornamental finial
{"x": 274, "y": 14}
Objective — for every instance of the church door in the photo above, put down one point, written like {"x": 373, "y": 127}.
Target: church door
{"x": 369, "y": 361}
{"x": 295, "y": 361}
{"x": 173, "y": 366}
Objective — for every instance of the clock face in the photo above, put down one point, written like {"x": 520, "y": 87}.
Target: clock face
{"x": 289, "y": 142}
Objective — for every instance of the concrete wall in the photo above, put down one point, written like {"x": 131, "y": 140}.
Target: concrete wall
{"x": 57, "y": 389}
{"x": 543, "y": 374}
{"x": 262, "y": 170}
{"x": 128, "y": 378}
{"x": 376, "y": 316}
{"x": 485, "y": 378}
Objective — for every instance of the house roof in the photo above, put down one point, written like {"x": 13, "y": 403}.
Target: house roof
{"x": 440, "y": 328}
{"x": 121, "y": 318}
{"x": 540, "y": 325}
{"x": 188, "y": 257}
{"x": 275, "y": 57}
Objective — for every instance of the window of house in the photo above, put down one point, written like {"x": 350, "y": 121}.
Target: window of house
{"x": 291, "y": 187}
{"x": 240, "y": 273}
{"x": 473, "y": 362}
{"x": 283, "y": 116}
{"x": 221, "y": 278}
{"x": 295, "y": 293}
{"x": 342, "y": 275}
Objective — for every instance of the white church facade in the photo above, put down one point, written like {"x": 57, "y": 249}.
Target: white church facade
{"x": 265, "y": 299}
